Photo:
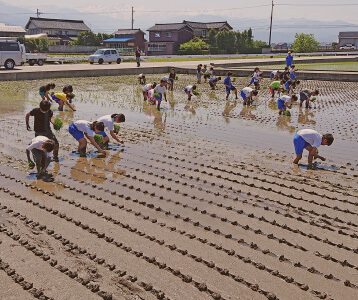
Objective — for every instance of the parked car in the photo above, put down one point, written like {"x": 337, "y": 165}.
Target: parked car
{"x": 105, "y": 55}
{"x": 11, "y": 53}
{"x": 347, "y": 47}
{"x": 33, "y": 58}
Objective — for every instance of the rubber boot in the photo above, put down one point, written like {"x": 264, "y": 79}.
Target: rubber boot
{"x": 82, "y": 152}
{"x": 55, "y": 153}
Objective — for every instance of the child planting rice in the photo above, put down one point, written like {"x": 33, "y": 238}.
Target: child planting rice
{"x": 81, "y": 130}
{"x": 41, "y": 148}
{"x": 42, "y": 119}
{"x": 229, "y": 87}
{"x": 306, "y": 95}
{"x": 189, "y": 89}
{"x": 44, "y": 91}
{"x": 68, "y": 89}
{"x": 142, "y": 79}
{"x": 160, "y": 90}
{"x": 109, "y": 122}
{"x": 275, "y": 86}
{"x": 213, "y": 81}
{"x": 62, "y": 98}
{"x": 147, "y": 88}
{"x": 285, "y": 102}
{"x": 247, "y": 93}
{"x": 172, "y": 77}
{"x": 275, "y": 75}
{"x": 310, "y": 140}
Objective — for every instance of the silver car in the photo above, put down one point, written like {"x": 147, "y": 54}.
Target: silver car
{"x": 11, "y": 53}
{"x": 105, "y": 55}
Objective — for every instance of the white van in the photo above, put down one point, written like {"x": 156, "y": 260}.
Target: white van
{"x": 11, "y": 53}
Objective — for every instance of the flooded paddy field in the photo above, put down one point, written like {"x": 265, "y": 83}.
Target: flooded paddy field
{"x": 334, "y": 66}
{"x": 201, "y": 202}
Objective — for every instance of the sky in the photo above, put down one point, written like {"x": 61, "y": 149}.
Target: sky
{"x": 108, "y": 15}
{"x": 322, "y": 10}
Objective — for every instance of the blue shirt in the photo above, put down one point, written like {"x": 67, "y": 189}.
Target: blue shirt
{"x": 213, "y": 79}
{"x": 227, "y": 81}
{"x": 289, "y": 59}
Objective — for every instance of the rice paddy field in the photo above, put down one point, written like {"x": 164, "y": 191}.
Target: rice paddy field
{"x": 201, "y": 201}
{"x": 336, "y": 66}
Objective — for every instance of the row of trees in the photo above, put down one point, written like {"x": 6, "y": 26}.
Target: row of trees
{"x": 88, "y": 38}
{"x": 224, "y": 42}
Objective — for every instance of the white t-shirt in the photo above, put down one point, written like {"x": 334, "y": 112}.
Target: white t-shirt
{"x": 37, "y": 142}
{"x": 140, "y": 76}
{"x": 311, "y": 136}
{"x": 151, "y": 93}
{"x": 285, "y": 98}
{"x": 247, "y": 91}
{"x": 107, "y": 121}
{"x": 147, "y": 87}
{"x": 189, "y": 88}
{"x": 160, "y": 89}
{"x": 274, "y": 73}
{"x": 257, "y": 76}
{"x": 84, "y": 126}
{"x": 292, "y": 70}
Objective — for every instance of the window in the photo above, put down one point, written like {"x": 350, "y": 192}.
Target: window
{"x": 157, "y": 34}
{"x": 113, "y": 51}
{"x": 156, "y": 47}
{"x": 203, "y": 33}
{"x": 9, "y": 46}
{"x": 168, "y": 34}
{"x": 107, "y": 52}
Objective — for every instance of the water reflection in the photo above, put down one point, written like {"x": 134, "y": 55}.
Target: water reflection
{"x": 283, "y": 123}
{"x": 304, "y": 116}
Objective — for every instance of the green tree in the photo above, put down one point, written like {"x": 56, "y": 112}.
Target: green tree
{"x": 305, "y": 43}
{"x": 226, "y": 41}
{"x": 86, "y": 38}
{"x": 212, "y": 37}
{"x": 194, "y": 46}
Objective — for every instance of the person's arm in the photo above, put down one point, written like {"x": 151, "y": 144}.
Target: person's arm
{"x": 28, "y": 156}
{"x": 93, "y": 142}
{"x": 313, "y": 154}
{"x": 165, "y": 96}
{"x": 47, "y": 96}
{"x": 69, "y": 105}
{"x": 113, "y": 135}
{"x": 27, "y": 118}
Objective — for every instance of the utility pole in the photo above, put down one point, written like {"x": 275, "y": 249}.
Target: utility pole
{"x": 132, "y": 17}
{"x": 38, "y": 13}
{"x": 271, "y": 24}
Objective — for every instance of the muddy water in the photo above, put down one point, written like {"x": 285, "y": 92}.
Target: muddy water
{"x": 201, "y": 201}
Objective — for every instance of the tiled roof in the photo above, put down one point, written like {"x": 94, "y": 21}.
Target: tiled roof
{"x": 127, "y": 31}
{"x": 208, "y": 25}
{"x": 58, "y": 24}
{"x": 6, "y": 28}
{"x": 169, "y": 26}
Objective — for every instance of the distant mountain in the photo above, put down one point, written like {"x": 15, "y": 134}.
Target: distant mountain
{"x": 283, "y": 30}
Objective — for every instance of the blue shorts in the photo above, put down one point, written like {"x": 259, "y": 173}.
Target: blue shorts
{"x": 287, "y": 85}
{"x": 299, "y": 144}
{"x": 198, "y": 75}
{"x": 186, "y": 90}
{"x": 160, "y": 97}
{"x": 55, "y": 99}
{"x": 272, "y": 75}
{"x": 42, "y": 93}
{"x": 252, "y": 80}
{"x": 292, "y": 76}
{"x": 229, "y": 89}
{"x": 72, "y": 129}
{"x": 102, "y": 133}
{"x": 280, "y": 104}
{"x": 243, "y": 95}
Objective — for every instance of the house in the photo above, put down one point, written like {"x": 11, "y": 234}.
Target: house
{"x": 11, "y": 31}
{"x": 59, "y": 30}
{"x": 126, "y": 38}
{"x": 348, "y": 37}
{"x": 281, "y": 46}
{"x": 202, "y": 29}
{"x": 165, "y": 39}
